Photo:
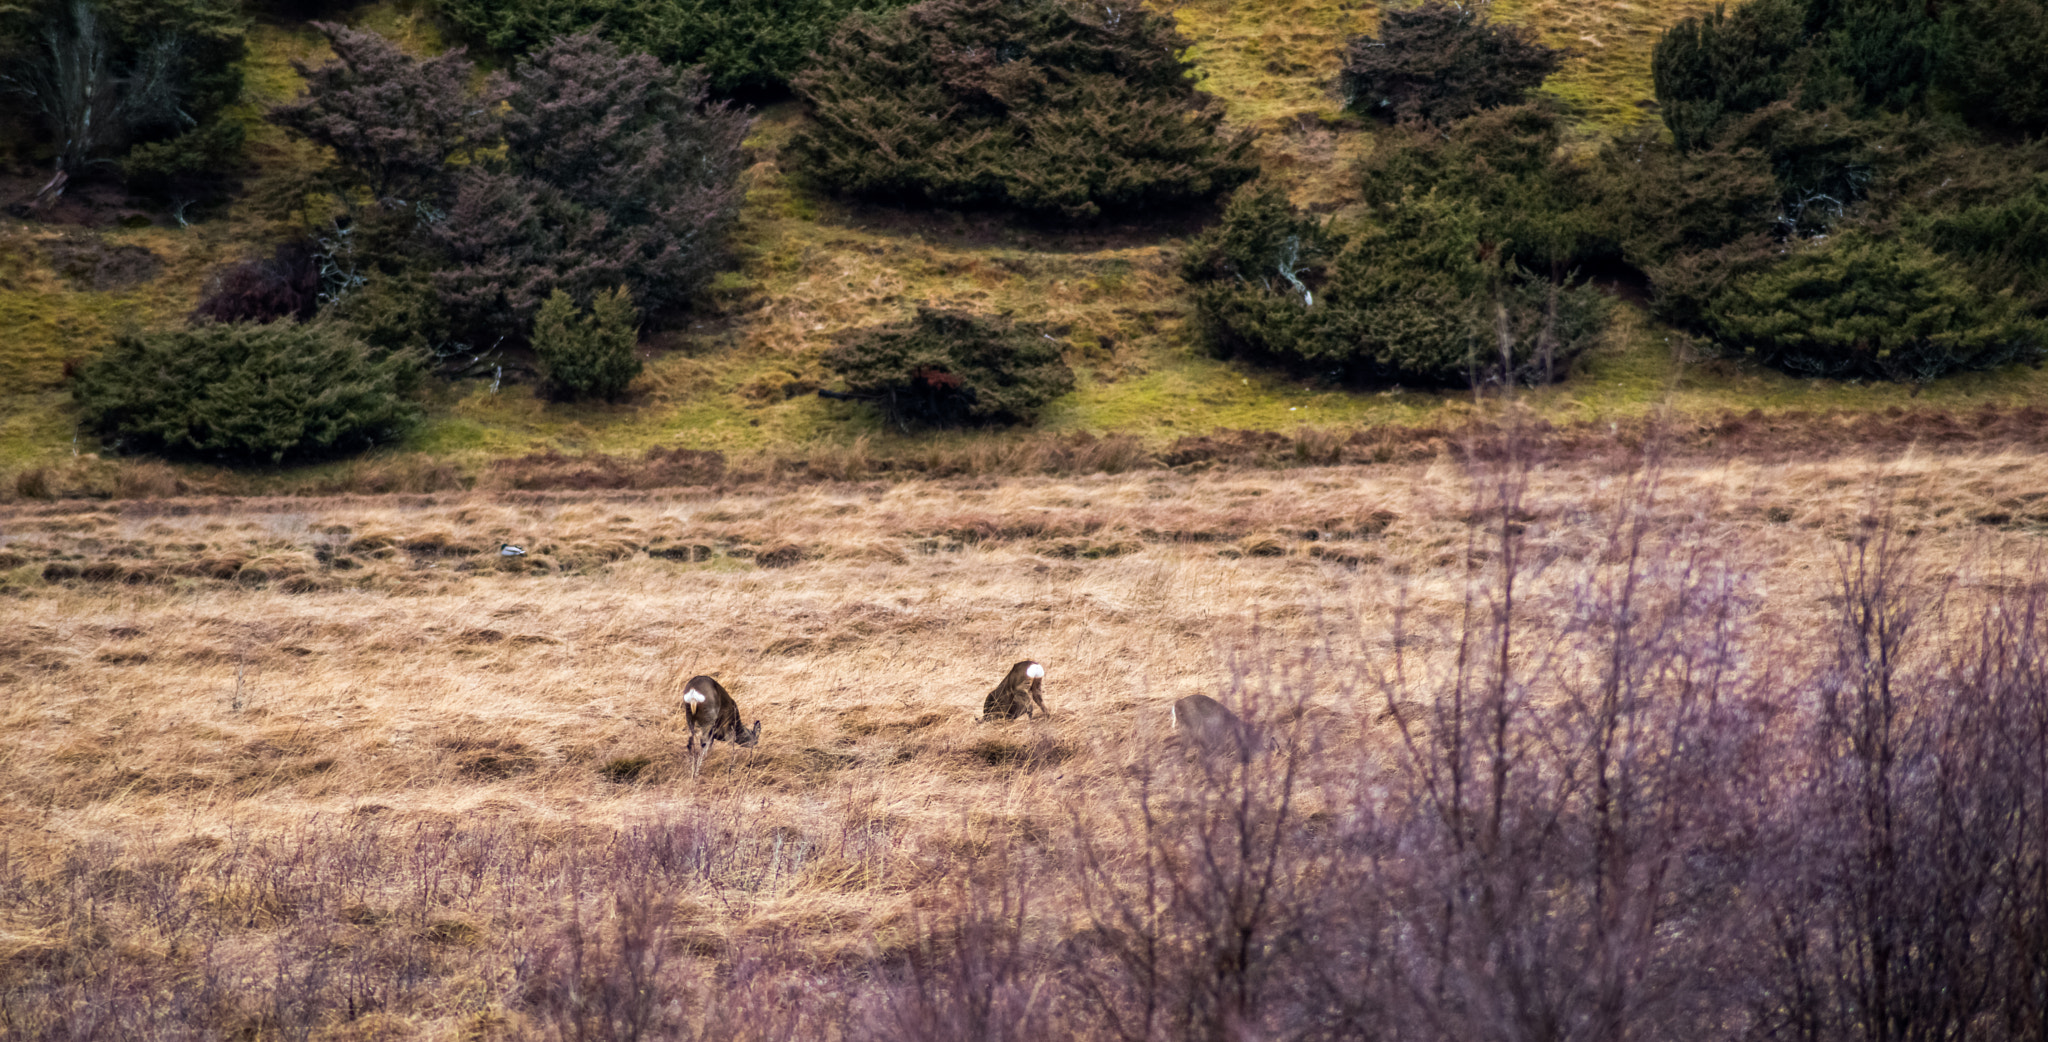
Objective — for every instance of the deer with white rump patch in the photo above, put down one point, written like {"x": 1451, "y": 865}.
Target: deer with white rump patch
{"x": 1020, "y": 694}
{"x": 713, "y": 715}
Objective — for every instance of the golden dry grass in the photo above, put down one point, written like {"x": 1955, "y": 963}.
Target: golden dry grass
{"x": 225, "y": 672}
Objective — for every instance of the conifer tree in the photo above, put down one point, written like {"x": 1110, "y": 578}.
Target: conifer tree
{"x": 748, "y": 46}
{"x": 588, "y": 356}
{"x": 1053, "y": 108}
{"x": 616, "y": 170}
{"x": 394, "y": 121}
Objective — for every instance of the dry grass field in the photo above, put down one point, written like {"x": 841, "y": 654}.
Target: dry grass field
{"x": 333, "y": 768}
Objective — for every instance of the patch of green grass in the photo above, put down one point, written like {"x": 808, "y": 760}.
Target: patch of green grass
{"x": 47, "y": 320}
{"x": 1605, "y": 82}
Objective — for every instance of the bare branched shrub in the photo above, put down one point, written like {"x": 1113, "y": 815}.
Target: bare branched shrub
{"x": 1904, "y": 880}
{"x": 1200, "y": 898}
{"x": 973, "y": 972}
{"x": 607, "y": 979}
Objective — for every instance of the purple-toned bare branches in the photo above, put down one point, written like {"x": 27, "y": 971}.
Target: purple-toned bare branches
{"x": 284, "y": 285}
{"x": 1201, "y": 898}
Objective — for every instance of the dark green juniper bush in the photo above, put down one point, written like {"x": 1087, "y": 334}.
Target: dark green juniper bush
{"x": 1428, "y": 291}
{"x": 1439, "y": 62}
{"x": 1857, "y": 306}
{"x": 744, "y": 46}
{"x": 953, "y": 369}
{"x": 1845, "y": 193}
{"x": 245, "y": 393}
{"x": 1056, "y": 109}
{"x": 588, "y": 356}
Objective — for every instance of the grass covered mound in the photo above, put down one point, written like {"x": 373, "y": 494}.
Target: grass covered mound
{"x": 1055, "y": 109}
{"x": 953, "y": 369}
{"x": 246, "y": 393}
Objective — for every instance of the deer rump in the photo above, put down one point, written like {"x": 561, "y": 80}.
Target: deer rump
{"x": 713, "y": 714}
{"x": 1020, "y": 694}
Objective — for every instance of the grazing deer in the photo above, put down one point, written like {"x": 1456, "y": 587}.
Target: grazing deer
{"x": 712, "y": 715}
{"x": 1020, "y": 694}
{"x": 1208, "y": 725}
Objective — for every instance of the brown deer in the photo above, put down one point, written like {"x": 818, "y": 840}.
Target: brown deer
{"x": 1208, "y": 726}
{"x": 712, "y": 714}
{"x": 1020, "y": 694}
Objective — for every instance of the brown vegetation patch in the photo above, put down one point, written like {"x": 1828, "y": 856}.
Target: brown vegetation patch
{"x": 91, "y": 263}
{"x": 490, "y": 758}
{"x": 1757, "y": 436}
{"x": 658, "y": 468}
{"x": 781, "y": 556}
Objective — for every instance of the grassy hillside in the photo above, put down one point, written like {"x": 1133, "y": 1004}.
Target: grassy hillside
{"x": 810, "y": 270}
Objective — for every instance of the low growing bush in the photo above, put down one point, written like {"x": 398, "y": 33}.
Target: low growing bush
{"x": 1859, "y": 306}
{"x": 1416, "y": 297}
{"x": 952, "y": 369}
{"x": 1438, "y": 62}
{"x": 1052, "y": 108}
{"x": 742, "y": 45}
{"x": 588, "y": 356}
{"x": 247, "y": 393}
{"x": 284, "y": 285}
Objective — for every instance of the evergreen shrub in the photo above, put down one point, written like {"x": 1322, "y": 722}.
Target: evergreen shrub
{"x": 1861, "y": 306}
{"x": 582, "y": 169}
{"x": 1417, "y": 296}
{"x": 616, "y": 170}
{"x": 247, "y": 393}
{"x": 953, "y": 369}
{"x": 588, "y": 356}
{"x": 394, "y": 121}
{"x": 1440, "y": 62}
{"x": 1711, "y": 68}
{"x": 284, "y": 285}
{"x": 398, "y": 310}
{"x": 1980, "y": 61}
{"x": 750, "y": 46}
{"x": 1055, "y": 108}
{"x": 1509, "y": 163}
{"x": 1832, "y": 203}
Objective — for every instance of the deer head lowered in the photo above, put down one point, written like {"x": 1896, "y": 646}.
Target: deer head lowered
{"x": 1020, "y": 694}
{"x": 713, "y": 715}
